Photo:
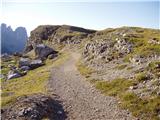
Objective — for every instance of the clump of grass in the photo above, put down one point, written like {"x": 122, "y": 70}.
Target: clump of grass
{"x": 114, "y": 87}
{"x": 140, "y": 77}
{"x": 121, "y": 67}
{"x": 154, "y": 68}
{"x": 84, "y": 70}
{"x": 130, "y": 68}
{"x": 147, "y": 50}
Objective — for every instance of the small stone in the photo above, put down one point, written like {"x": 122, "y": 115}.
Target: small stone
{"x": 34, "y": 116}
{"x": 133, "y": 87}
{"x": 29, "y": 109}
{"x": 158, "y": 93}
{"x": 59, "y": 112}
{"x": 21, "y": 113}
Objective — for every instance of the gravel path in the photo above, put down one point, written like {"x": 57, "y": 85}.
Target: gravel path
{"x": 80, "y": 99}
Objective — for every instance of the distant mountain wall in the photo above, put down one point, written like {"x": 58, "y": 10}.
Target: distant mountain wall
{"x": 12, "y": 41}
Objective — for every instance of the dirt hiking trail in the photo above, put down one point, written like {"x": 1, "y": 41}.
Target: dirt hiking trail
{"x": 80, "y": 99}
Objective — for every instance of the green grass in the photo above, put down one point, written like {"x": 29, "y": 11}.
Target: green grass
{"x": 121, "y": 67}
{"x": 114, "y": 87}
{"x": 84, "y": 70}
{"x": 34, "y": 82}
{"x": 143, "y": 109}
{"x": 140, "y": 77}
{"x": 4, "y": 64}
{"x": 154, "y": 69}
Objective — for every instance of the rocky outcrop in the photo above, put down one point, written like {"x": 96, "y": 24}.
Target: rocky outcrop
{"x": 56, "y": 34}
{"x": 34, "y": 107}
{"x": 13, "y": 41}
{"x": 105, "y": 50}
{"x": 113, "y": 44}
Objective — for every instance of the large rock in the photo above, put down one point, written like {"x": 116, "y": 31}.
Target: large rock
{"x": 25, "y": 68}
{"x": 42, "y": 51}
{"x": 34, "y": 107}
{"x": 36, "y": 63}
{"x": 13, "y": 74}
{"x": 24, "y": 62}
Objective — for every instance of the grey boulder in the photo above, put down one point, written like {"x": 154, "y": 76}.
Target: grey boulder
{"x": 42, "y": 51}
{"x": 13, "y": 74}
{"x": 24, "y": 62}
{"x": 36, "y": 63}
{"x": 25, "y": 68}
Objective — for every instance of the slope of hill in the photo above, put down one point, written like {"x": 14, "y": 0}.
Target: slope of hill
{"x": 122, "y": 62}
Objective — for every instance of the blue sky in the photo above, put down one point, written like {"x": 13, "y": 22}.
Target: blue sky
{"x": 93, "y": 15}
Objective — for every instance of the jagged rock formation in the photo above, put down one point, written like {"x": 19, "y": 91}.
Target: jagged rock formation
{"x": 12, "y": 41}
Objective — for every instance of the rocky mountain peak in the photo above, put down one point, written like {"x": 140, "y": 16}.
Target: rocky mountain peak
{"x": 13, "y": 41}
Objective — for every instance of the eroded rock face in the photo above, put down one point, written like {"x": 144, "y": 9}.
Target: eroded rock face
{"x": 33, "y": 107}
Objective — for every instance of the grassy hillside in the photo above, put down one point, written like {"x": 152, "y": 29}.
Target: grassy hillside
{"x": 34, "y": 82}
